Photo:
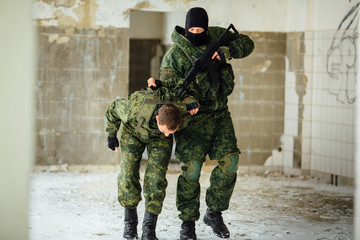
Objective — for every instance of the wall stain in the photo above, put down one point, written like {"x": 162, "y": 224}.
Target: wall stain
{"x": 64, "y": 3}
{"x": 87, "y": 14}
{"x": 46, "y": 1}
{"x": 52, "y": 37}
{"x": 138, "y": 6}
{"x": 65, "y": 13}
{"x": 261, "y": 68}
{"x": 177, "y": 2}
{"x": 63, "y": 39}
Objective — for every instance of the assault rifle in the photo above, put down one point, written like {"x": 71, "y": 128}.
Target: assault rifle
{"x": 205, "y": 61}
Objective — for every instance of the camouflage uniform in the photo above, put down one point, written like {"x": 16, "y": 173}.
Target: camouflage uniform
{"x": 211, "y": 130}
{"x": 137, "y": 113}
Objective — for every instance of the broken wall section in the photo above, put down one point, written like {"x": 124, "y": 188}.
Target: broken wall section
{"x": 257, "y": 103}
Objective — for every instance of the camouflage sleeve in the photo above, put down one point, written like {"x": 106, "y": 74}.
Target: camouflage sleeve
{"x": 165, "y": 93}
{"x": 171, "y": 73}
{"x": 112, "y": 118}
{"x": 173, "y": 70}
{"x": 241, "y": 47}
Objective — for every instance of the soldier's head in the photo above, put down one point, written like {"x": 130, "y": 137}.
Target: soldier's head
{"x": 168, "y": 119}
{"x": 196, "y": 26}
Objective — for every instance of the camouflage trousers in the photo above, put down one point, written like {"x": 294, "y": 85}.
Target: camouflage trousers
{"x": 212, "y": 134}
{"x": 155, "y": 183}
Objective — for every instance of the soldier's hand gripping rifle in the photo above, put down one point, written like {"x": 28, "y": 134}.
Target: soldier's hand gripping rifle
{"x": 205, "y": 61}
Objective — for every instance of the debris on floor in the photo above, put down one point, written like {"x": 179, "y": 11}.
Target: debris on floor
{"x": 83, "y": 206}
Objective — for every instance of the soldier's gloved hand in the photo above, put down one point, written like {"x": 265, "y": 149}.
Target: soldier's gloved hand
{"x": 112, "y": 142}
{"x": 223, "y": 53}
{"x": 192, "y": 106}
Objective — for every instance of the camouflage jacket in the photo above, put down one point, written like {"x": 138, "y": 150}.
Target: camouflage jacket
{"x": 180, "y": 57}
{"x": 138, "y": 112}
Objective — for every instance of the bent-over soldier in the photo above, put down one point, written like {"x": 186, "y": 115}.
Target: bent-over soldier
{"x": 147, "y": 121}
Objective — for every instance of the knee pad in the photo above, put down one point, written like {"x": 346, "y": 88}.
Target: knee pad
{"x": 229, "y": 163}
{"x": 192, "y": 170}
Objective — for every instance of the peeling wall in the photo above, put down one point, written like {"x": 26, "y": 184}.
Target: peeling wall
{"x": 62, "y": 13}
{"x": 255, "y": 15}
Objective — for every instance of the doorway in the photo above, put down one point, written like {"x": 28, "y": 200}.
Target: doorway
{"x": 145, "y": 60}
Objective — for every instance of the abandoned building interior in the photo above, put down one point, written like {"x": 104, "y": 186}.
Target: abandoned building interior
{"x": 294, "y": 106}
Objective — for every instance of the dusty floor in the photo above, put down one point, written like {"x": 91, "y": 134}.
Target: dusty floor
{"x": 83, "y": 206}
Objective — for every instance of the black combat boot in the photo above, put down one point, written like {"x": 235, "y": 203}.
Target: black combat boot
{"x": 216, "y": 222}
{"x": 149, "y": 226}
{"x": 188, "y": 231}
{"x": 131, "y": 221}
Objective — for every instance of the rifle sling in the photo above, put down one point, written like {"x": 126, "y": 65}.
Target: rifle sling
{"x": 140, "y": 123}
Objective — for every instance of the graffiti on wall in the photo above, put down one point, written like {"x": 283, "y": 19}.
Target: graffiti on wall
{"x": 342, "y": 59}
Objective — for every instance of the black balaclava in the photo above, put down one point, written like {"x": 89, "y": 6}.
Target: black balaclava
{"x": 197, "y": 17}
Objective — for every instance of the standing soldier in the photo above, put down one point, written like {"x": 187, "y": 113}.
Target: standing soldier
{"x": 211, "y": 130}
{"x": 148, "y": 122}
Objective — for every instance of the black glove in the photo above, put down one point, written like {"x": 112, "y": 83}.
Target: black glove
{"x": 190, "y": 103}
{"x": 158, "y": 85}
{"x": 112, "y": 142}
{"x": 191, "y": 106}
{"x": 224, "y": 53}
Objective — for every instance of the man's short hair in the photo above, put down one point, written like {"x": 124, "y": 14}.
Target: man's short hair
{"x": 170, "y": 116}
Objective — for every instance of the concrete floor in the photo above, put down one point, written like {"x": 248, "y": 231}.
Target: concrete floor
{"x": 83, "y": 205}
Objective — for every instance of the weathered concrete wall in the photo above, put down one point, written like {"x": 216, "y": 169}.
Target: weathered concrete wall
{"x": 257, "y": 103}
{"x": 79, "y": 72}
